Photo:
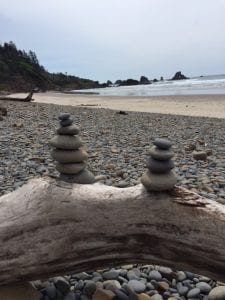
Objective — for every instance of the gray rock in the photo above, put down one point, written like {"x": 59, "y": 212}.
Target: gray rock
{"x": 111, "y": 285}
{"x": 70, "y": 296}
{"x": 112, "y": 274}
{"x": 67, "y": 122}
{"x": 68, "y": 130}
{"x": 159, "y": 154}
{"x": 70, "y": 168}
{"x": 183, "y": 290}
{"x": 69, "y": 156}
{"x": 162, "y": 143}
{"x": 193, "y": 293}
{"x": 121, "y": 295}
{"x": 51, "y": 292}
{"x": 62, "y": 285}
{"x": 158, "y": 182}
{"x": 89, "y": 288}
{"x": 136, "y": 285}
{"x": 132, "y": 275}
{"x": 64, "y": 116}
{"x": 156, "y": 297}
{"x": 66, "y": 142}
{"x": 218, "y": 293}
{"x": 204, "y": 287}
{"x": 181, "y": 276}
{"x": 84, "y": 177}
{"x": 160, "y": 166}
{"x": 155, "y": 275}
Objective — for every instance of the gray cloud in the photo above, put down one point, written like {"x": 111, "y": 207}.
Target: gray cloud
{"x": 114, "y": 39}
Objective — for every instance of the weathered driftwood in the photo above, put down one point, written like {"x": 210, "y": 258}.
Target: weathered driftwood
{"x": 48, "y": 227}
{"x": 26, "y": 99}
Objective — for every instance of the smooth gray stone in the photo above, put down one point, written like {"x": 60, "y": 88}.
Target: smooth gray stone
{"x": 68, "y": 130}
{"x": 183, "y": 290}
{"x": 155, "y": 275}
{"x": 158, "y": 182}
{"x": 66, "y": 142}
{"x": 84, "y": 177}
{"x": 159, "y": 166}
{"x": 218, "y": 293}
{"x": 156, "y": 297}
{"x": 67, "y": 122}
{"x": 193, "y": 293}
{"x": 62, "y": 285}
{"x": 121, "y": 295}
{"x": 51, "y": 292}
{"x": 70, "y": 296}
{"x": 89, "y": 288}
{"x": 159, "y": 154}
{"x": 64, "y": 116}
{"x": 71, "y": 168}
{"x": 181, "y": 276}
{"x": 204, "y": 287}
{"x": 162, "y": 143}
{"x": 69, "y": 156}
{"x": 112, "y": 274}
{"x": 136, "y": 285}
{"x": 111, "y": 285}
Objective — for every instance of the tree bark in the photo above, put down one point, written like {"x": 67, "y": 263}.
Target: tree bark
{"x": 48, "y": 227}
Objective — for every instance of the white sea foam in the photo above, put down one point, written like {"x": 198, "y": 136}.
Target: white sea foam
{"x": 195, "y": 86}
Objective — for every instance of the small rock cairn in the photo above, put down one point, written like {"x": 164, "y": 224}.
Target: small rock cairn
{"x": 68, "y": 153}
{"x": 159, "y": 176}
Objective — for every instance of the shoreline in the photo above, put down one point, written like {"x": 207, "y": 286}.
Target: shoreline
{"x": 212, "y": 106}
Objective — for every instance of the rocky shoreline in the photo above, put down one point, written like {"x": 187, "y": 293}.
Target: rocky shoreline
{"x": 118, "y": 146}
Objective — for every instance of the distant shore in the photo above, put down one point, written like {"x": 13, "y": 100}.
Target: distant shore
{"x": 189, "y": 105}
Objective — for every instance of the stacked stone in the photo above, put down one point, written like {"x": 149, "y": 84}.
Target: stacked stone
{"x": 159, "y": 176}
{"x": 68, "y": 153}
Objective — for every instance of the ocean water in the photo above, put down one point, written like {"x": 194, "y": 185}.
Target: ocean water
{"x": 204, "y": 85}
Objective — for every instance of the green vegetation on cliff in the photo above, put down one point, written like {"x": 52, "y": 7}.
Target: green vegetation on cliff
{"x": 21, "y": 72}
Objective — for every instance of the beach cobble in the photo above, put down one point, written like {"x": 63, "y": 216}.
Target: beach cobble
{"x": 118, "y": 145}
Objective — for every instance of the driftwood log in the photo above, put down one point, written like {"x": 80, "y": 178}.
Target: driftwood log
{"x": 48, "y": 228}
{"x": 26, "y": 99}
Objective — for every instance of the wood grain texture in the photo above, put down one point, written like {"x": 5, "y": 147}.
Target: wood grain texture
{"x": 48, "y": 228}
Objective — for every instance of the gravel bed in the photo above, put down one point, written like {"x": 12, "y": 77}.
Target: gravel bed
{"x": 118, "y": 147}
{"x": 117, "y": 144}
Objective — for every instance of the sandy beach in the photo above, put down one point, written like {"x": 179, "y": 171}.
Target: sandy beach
{"x": 197, "y": 105}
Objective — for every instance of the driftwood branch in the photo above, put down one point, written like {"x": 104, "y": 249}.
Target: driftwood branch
{"x": 28, "y": 98}
{"x": 48, "y": 227}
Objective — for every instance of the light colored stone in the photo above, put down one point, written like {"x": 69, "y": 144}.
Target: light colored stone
{"x": 218, "y": 293}
{"x": 143, "y": 296}
{"x": 70, "y": 168}
{"x": 69, "y": 156}
{"x": 20, "y": 291}
{"x": 111, "y": 285}
{"x": 101, "y": 294}
{"x": 160, "y": 154}
{"x": 158, "y": 182}
{"x": 136, "y": 285}
{"x": 66, "y": 142}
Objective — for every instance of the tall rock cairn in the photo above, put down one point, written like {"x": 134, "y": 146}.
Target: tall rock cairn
{"x": 159, "y": 176}
{"x": 68, "y": 153}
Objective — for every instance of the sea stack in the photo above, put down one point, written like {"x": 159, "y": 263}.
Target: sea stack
{"x": 159, "y": 176}
{"x": 68, "y": 152}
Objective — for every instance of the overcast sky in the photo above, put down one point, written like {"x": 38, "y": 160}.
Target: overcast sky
{"x": 119, "y": 39}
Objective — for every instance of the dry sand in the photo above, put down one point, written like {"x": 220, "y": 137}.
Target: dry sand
{"x": 191, "y": 105}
